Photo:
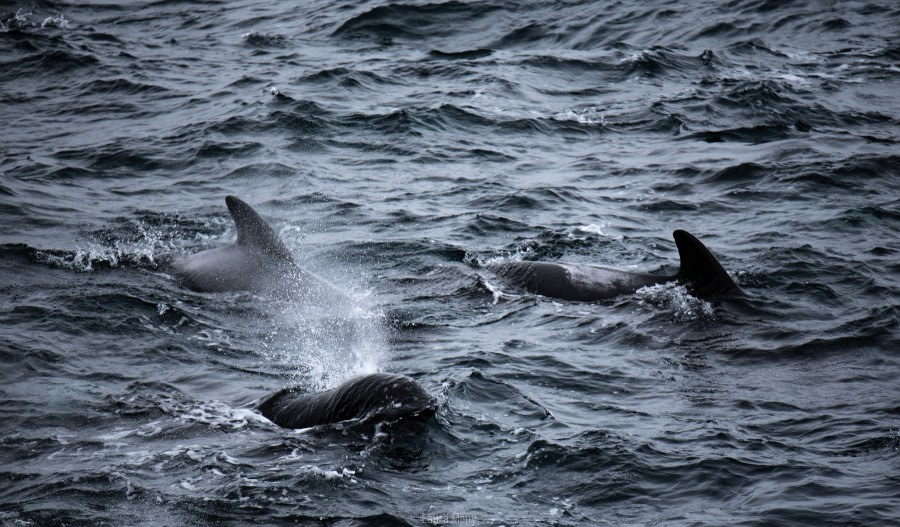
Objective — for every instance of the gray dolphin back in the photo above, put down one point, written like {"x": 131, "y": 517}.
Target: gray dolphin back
{"x": 701, "y": 271}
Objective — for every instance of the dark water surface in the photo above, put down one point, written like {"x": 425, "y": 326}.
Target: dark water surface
{"x": 397, "y": 147}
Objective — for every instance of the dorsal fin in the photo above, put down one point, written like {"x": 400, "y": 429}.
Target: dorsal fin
{"x": 700, "y": 269}
{"x": 254, "y": 232}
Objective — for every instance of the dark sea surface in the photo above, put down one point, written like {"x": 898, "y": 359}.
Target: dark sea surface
{"x": 396, "y": 148}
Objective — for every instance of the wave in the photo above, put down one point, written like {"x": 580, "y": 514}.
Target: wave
{"x": 414, "y": 22}
{"x": 119, "y": 86}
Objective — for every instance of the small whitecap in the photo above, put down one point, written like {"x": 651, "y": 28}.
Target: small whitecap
{"x": 218, "y": 415}
{"x": 585, "y": 116}
{"x": 16, "y": 21}
{"x": 330, "y": 474}
{"x": 634, "y": 57}
{"x": 59, "y": 21}
{"x": 594, "y": 229}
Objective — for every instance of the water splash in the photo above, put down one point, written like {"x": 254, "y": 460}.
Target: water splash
{"x": 676, "y": 298}
{"x": 59, "y": 21}
{"x": 522, "y": 252}
{"x": 327, "y": 337}
{"x": 586, "y": 116}
{"x": 142, "y": 250}
{"x": 592, "y": 229}
{"x": 22, "y": 19}
{"x": 217, "y": 414}
{"x": 17, "y": 21}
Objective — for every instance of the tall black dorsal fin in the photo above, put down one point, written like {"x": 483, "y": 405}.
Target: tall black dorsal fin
{"x": 700, "y": 269}
{"x": 253, "y": 231}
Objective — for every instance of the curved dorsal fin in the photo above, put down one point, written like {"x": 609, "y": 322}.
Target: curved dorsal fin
{"x": 254, "y": 232}
{"x": 700, "y": 269}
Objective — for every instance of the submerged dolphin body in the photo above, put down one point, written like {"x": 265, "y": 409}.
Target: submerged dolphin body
{"x": 257, "y": 262}
{"x": 379, "y": 396}
{"x": 700, "y": 272}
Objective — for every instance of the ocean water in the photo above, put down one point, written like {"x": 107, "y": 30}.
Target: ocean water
{"x": 397, "y": 147}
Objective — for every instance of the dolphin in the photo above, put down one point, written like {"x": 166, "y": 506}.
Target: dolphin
{"x": 700, "y": 272}
{"x": 257, "y": 262}
{"x": 379, "y": 396}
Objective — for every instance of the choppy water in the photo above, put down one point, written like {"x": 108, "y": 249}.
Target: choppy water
{"x": 395, "y": 147}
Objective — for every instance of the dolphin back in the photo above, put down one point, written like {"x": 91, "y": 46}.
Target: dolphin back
{"x": 701, "y": 271}
{"x": 381, "y": 396}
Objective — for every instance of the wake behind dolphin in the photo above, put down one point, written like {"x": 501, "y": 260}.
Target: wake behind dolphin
{"x": 700, "y": 272}
{"x": 258, "y": 261}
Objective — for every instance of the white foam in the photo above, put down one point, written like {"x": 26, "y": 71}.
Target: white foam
{"x": 220, "y": 415}
{"x": 520, "y": 253}
{"x": 59, "y": 21}
{"x": 141, "y": 251}
{"x": 21, "y": 19}
{"x": 18, "y": 20}
{"x": 593, "y": 228}
{"x": 496, "y": 293}
{"x": 589, "y": 115}
{"x": 635, "y": 57}
{"x": 343, "y": 473}
{"x": 676, "y": 298}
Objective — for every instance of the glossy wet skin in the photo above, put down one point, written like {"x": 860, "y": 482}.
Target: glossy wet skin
{"x": 258, "y": 261}
{"x": 231, "y": 268}
{"x": 381, "y": 395}
{"x": 700, "y": 271}
{"x": 574, "y": 282}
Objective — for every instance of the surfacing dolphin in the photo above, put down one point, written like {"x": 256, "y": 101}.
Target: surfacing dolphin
{"x": 376, "y": 397}
{"x": 257, "y": 262}
{"x": 700, "y": 272}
